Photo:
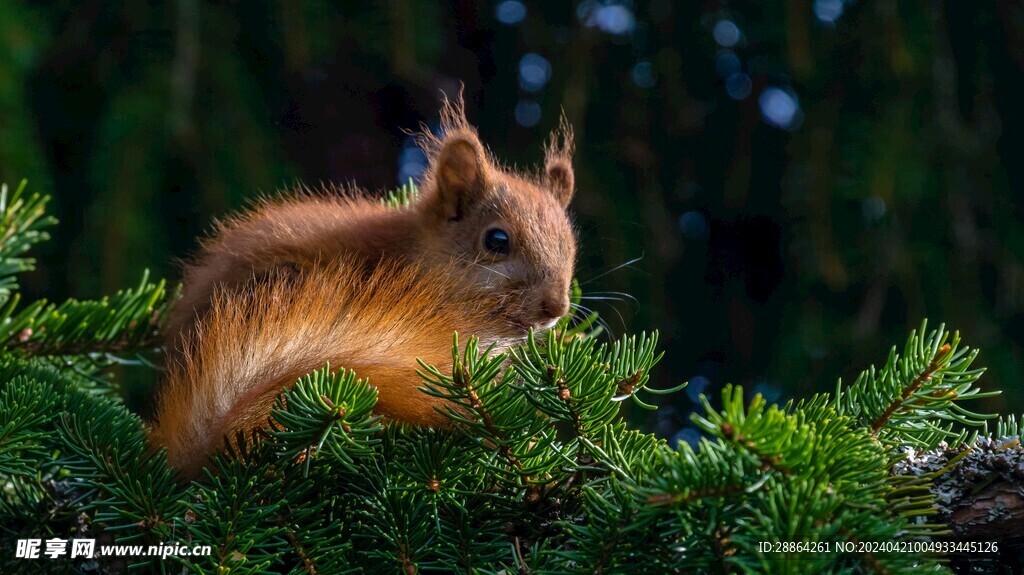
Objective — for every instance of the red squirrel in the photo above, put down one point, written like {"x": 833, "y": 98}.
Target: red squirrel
{"x": 310, "y": 278}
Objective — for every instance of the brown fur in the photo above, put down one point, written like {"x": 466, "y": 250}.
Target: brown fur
{"x": 323, "y": 276}
{"x": 250, "y": 346}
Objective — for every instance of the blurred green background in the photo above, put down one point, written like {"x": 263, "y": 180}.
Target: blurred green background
{"x": 803, "y": 181}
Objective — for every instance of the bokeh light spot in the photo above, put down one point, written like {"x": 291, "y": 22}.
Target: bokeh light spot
{"x": 779, "y": 108}
{"x": 613, "y": 18}
{"x": 727, "y": 63}
{"x": 643, "y": 74}
{"x": 694, "y": 225}
{"x": 828, "y": 10}
{"x": 510, "y": 12}
{"x": 726, "y": 33}
{"x": 696, "y": 386}
{"x": 874, "y": 208}
{"x": 534, "y": 72}
{"x": 771, "y": 393}
{"x": 586, "y": 12}
{"x": 527, "y": 113}
{"x": 412, "y": 162}
{"x": 687, "y": 435}
{"x": 738, "y": 86}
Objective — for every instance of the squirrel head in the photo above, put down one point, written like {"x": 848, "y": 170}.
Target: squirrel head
{"x": 507, "y": 232}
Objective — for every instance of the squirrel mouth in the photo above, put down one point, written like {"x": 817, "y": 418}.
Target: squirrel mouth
{"x": 520, "y": 326}
{"x": 523, "y": 325}
{"x": 546, "y": 325}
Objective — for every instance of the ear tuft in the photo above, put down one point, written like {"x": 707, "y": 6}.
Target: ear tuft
{"x": 460, "y": 174}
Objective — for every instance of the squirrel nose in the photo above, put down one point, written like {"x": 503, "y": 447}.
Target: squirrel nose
{"x": 556, "y": 305}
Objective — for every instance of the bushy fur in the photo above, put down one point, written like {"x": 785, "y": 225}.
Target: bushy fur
{"x": 252, "y": 344}
{"x": 336, "y": 276}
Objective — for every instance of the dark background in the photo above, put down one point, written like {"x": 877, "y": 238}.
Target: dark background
{"x": 804, "y": 181}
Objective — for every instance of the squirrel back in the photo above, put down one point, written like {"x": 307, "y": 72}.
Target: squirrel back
{"x": 507, "y": 229}
{"x": 309, "y": 278}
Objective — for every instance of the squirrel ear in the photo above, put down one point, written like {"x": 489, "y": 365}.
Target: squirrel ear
{"x": 558, "y": 151}
{"x": 459, "y": 175}
{"x": 559, "y": 177}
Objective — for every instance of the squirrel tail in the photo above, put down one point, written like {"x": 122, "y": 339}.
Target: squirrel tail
{"x": 257, "y": 341}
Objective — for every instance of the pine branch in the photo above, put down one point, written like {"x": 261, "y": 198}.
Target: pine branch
{"x": 477, "y": 389}
{"x": 940, "y": 358}
{"x": 237, "y": 515}
{"x": 916, "y": 397}
{"x": 23, "y": 223}
{"x": 326, "y": 412}
{"x": 127, "y": 321}
{"x": 26, "y": 406}
{"x": 105, "y": 446}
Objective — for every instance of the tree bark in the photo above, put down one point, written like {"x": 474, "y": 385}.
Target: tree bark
{"x": 980, "y": 497}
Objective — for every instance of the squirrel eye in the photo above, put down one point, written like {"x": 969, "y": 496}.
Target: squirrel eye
{"x": 496, "y": 241}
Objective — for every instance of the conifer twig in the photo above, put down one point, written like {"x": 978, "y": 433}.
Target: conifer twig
{"x": 925, "y": 376}
{"x": 461, "y": 379}
{"x": 300, "y": 549}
